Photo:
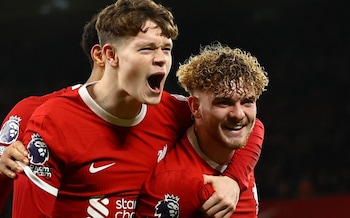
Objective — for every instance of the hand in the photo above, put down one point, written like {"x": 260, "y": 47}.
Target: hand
{"x": 225, "y": 198}
{"x": 13, "y": 152}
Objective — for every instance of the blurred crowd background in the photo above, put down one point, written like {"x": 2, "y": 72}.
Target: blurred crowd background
{"x": 303, "y": 45}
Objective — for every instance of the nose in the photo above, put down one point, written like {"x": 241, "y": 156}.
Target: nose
{"x": 236, "y": 112}
{"x": 160, "y": 57}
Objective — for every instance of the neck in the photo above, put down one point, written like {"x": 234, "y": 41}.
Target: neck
{"x": 117, "y": 103}
{"x": 211, "y": 148}
{"x": 96, "y": 74}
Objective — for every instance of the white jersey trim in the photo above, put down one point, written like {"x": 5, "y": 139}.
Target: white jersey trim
{"x": 102, "y": 113}
{"x": 193, "y": 140}
{"x": 41, "y": 184}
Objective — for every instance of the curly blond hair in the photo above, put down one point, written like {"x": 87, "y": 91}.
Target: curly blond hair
{"x": 223, "y": 71}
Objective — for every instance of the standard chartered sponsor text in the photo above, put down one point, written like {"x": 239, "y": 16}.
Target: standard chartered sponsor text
{"x": 125, "y": 208}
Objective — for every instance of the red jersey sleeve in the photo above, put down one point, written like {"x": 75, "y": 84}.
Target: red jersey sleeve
{"x": 6, "y": 189}
{"x": 245, "y": 159}
{"x": 23, "y": 204}
{"x": 12, "y": 129}
{"x": 35, "y": 191}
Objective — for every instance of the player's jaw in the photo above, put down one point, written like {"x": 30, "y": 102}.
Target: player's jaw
{"x": 236, "y": 134}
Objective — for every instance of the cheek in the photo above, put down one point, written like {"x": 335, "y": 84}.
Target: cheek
{"x": 216, "y": 116}
{"x": 133, "y": 67}
{"x": 169, "y": 64}
{"x": 219, "y": 113}
{"x": 170, "y": 60}
{"x": 251, "y": 113}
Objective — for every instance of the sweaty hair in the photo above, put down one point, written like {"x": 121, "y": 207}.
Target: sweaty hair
{"x": 89, "y": 38}
{"x": 223, "y": 71}
{"x": 126, "y": 18}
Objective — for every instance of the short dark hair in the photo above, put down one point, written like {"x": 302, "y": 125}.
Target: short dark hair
{"x": 89, "y": 38}
{"x": 126, "y": 18}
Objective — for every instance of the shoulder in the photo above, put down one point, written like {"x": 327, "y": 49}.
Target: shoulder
{"x": 176, "y": 99}
{"x": 175, "y": 104}
{"x": 29, "y": 104}
{"x": 16, "y": 120}
{"x": 259, "y": 128}
{"x": 58, "y": 103}
{"x": 259, "y": 123}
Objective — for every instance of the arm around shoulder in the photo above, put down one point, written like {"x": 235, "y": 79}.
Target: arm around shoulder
{"x": 245, "y": 159}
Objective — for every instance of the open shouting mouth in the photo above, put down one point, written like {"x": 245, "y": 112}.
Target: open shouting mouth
{"x": 155, "y": 81}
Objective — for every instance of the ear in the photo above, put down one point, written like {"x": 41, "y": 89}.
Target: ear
{"x": 193, "y": 103}
{"x": 109, "y": 52}
{"x": 96, "y": 54}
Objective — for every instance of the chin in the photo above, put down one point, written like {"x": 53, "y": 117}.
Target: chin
{"x": 237, "y": 144}
{"x": 153, "y": 101}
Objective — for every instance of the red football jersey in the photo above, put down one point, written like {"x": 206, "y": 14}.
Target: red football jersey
{"x": 75, "y": 118}
{"x": 13, "y": 128}
{"x": 175, "y": 187}
{"x": 93, "y": 162}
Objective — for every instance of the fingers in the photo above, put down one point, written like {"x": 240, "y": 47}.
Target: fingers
{"x": 8, "y": 166}
{"x": 218, "y": 206}
{"x": 208, "y": 179}
{"x": 225, "y": 213}
{"x": 223, "y": 201}
{"x": 17, "y": 151}
{"x": 5, "y": 171}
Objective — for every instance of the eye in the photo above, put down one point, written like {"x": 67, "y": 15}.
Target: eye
{"x": 222, "y": 102}
{"x": 166, "y": 49}
{"x": 250, "y": 100}
{"x": 146, "y": 49}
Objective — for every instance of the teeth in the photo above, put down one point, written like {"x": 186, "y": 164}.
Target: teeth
{"x": 234, "y": 127}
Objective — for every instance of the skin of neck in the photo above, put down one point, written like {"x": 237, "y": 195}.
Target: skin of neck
{"x": 121, "y": 105}
{"x": 211, "y": 148}
{"x": 117, "y": 103}
{"x": 96, "y": 74}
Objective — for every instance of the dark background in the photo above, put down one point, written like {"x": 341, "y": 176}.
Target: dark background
{"x": 303, "y": 45}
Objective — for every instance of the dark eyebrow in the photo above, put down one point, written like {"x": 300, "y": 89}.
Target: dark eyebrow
{"x": 152, "y": 44}
{"x": 220, "y": 99}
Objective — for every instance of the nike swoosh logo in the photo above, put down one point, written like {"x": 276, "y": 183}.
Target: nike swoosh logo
{"x": 93, "y": 169}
